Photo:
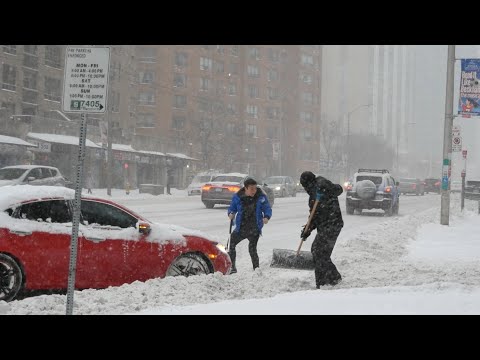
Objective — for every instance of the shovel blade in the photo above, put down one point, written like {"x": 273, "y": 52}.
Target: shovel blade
{"x": 288, "y": 259}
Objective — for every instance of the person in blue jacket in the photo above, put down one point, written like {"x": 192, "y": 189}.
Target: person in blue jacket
{"x": 251, "y": 210}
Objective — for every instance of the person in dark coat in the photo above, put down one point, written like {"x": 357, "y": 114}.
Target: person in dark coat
{"x": 251, "y": 210}
{"x": 328, "y": 222}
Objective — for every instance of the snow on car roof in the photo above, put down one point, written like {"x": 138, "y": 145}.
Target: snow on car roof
{"x": 28, "y": 167}
{"x": 12, "y": 195}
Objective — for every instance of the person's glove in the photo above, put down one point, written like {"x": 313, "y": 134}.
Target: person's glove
{"x": 305, "y": 233}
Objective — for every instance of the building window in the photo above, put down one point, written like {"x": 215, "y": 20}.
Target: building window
{"x": 145, "y": 120}
{"x": 29, "y": 79}
{"x": 179, "y": 101}
{"x": 232, "y": 89}
{"x": 307, "y": 98}
{"x": 204, "y": 84}
{"x": 273, "y": 55}
{"x": 178, "y": 122}
{"x": 10, "y": 49}
{"x": 53, "y": 56}
{"x": 147, "y": 54}
{"x": 205, "y": 63}
{"x": 181, "y": 58}
{"x": 253, "y": 91}
{"x": 235, "y": 50}
{"x": 219, "y": 67}
{"x": 147, "y": 77}
{"x": 206, "y": 123}
{"x": 253, "y": 71}
{"x": 230, "y": 128}
{"x": 233, "y": 69}
{"x": 252, "y": 110}
{"x": 254, "y": 53}
{"x": 179, "y": 80}
{"x": 220, "y": 49}
{"x": 9, "y": 77}
{"x": 252, "y": 130}
{"x": 307, "y": 59}
{"x": 29, "y": 110}
{"x": 272, "y": 132}
{"x": 272, "y": 112}
{"x": 53, "y": 89}
{"x": 306, "y": 78}
{"x": 306, "y": 116}
{"x": 272, "y": 75}
{"x": 30, "y": 58}
{"x": 9, "y": 108}
{"x": 146, "y": 98}
{"x": 231, "y": 109}
{"x": 306, "y": 134}
{"x": 272, "y": 93}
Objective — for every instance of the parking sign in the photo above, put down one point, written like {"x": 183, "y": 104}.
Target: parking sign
{"x": 86, "y": 79}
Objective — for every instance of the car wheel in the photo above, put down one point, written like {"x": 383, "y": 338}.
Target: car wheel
{"x": 11, "y": 278}
{"x": 283, "y": 194}
{"x": 350, "y": 210}
{"x": 188, "y": 265}
{"x": 209, "y": 204}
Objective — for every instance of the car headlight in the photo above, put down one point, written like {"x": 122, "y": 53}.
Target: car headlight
{"x": 277, "y": 188}
{"x": 221, "y": 248}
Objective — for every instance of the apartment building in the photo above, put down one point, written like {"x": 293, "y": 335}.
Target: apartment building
{"x": 249, "y": 108}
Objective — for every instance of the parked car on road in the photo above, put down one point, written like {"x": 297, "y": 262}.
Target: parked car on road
{"x": 195, "y": 187}
{"x": 31, "y": 175}
{"x": 115, "y": 245}
{"x": 411, "y": 186}
{"x": 282, "y": 186}
{"x": 432, "y": 185}
{"x": 222, "y": 188}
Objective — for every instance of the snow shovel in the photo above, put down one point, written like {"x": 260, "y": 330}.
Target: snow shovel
{"x": 230, "y": 235}
{"x": 291, "y": 259}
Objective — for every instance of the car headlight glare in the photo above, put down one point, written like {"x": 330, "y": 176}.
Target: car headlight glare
{"x": 221, "y": 248}
{"x": 277, "y": 188}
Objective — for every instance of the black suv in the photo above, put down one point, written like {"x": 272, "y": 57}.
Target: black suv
{"x": 373, "y": 189}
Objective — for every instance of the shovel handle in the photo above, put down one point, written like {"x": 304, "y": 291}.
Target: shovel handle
{"x": 299, "y": 246}
{"x": 308, "y": 223}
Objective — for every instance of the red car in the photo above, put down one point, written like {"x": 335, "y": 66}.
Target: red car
{"x": 115, "y": 245}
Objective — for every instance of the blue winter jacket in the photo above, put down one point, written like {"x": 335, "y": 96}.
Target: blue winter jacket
{"x": 262, "y": 208}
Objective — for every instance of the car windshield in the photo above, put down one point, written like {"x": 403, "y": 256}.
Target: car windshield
{"x": 377, "y": 180}
{"x": 11, "y": 174}
{"x": 274, "y": 180}
{"x": 201, "y": 179}
{"x": 230, "y": 178}
{"x": 405, "y": 180}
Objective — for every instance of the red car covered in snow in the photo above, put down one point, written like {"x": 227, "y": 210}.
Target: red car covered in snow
{"x": 115, "y": 245}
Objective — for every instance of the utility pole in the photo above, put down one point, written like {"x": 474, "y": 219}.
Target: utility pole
{"x": 447, "y": 137}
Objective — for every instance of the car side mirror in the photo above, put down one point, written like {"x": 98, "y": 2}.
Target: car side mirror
{"x": 144, "y": 228}
{"x": 31, "y": 178}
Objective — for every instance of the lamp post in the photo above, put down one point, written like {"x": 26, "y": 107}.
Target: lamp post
{"x": 347, "y": 166}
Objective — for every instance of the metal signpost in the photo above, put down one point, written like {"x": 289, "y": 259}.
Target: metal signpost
{"x": 85, "y": 91}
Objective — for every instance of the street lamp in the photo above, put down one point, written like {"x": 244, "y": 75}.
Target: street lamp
{"x": 347, "y": 167}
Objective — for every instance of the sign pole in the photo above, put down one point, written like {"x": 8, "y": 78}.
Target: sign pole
{"x": 85, "y": 89}
{"x": 76, "y": 215}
